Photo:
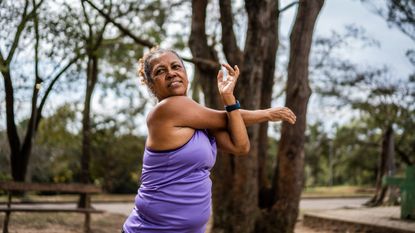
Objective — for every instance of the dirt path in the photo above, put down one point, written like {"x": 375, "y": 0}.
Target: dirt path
{"x": 116, "y": 213}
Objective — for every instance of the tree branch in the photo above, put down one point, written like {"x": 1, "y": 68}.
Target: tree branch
{"x": 232, "y": 52}
{"x": 121, "y": 28}
{"x": 87, "y": 21}
{"x": 202, "y": 61}
{"x": 20, "y": 27}
{"x": 198, "y": 39}
{"x": 288, "y": 6}
{"x": 50, "y": 87}
{"x": 101, "y": 32}
{"x": 36, "y": 26}
{"x": 3, "y": 65}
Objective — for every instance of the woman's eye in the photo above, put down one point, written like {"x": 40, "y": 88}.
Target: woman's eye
{"x": 158, "y": 72}
{"x": 176, "y": 67}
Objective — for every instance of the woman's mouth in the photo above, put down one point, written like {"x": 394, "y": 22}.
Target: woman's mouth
{"x": 175, "y": 84}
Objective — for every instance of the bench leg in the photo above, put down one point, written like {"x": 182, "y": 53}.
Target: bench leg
{"x": 87, "y": 223}
{"x": 87, "y": 204}
{"x": 7, "y": 217}
{"x": 6, "y": 222}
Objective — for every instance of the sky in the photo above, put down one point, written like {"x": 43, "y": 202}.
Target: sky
{"x": 338, "y": 13}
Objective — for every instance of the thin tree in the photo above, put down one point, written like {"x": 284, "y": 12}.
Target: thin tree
{"x": 20, "y": 150}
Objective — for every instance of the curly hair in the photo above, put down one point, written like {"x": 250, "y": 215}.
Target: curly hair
{"x": 144, "y": 63}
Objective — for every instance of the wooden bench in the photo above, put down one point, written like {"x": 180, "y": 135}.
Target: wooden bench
{"x": 82, "y": 189}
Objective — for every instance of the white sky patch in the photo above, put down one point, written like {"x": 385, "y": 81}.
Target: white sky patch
{"x": 336, "y": 14}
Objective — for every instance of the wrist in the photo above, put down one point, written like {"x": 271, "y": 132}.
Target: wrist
{"x": 228, "y": 99}
{"x": 230, "y": 108}
{"x": 267, "y": 113}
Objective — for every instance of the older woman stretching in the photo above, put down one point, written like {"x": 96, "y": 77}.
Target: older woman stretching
{"x": 175, "y": 190}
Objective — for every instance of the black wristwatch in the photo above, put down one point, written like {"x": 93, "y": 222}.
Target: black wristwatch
{"x": 230, "y": 108}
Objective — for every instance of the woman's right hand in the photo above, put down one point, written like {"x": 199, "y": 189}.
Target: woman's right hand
{"x": 281, "y": 113}
{"x": 227, "y": 85}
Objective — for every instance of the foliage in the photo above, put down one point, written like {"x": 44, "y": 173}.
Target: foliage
{"x": 398, "y": 13}
{"x": 116, "y": 164}
{"x": 349, "y": 157}
{"x": 317, "y": 159}
{"x": 116, "y": 160}
{"x": 374, "y": 94}
{"x": 57, "y": 149}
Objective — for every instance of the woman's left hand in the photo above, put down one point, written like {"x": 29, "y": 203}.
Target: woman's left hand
{"x": 226, "y": 85}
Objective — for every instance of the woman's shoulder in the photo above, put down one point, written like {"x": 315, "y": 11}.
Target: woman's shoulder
{"x": 169, "y": 107}
{"x": 173, "y": 100}
{"x": 173, "y": 104}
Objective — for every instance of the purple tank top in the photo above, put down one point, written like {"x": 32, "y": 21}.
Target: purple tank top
{"x": 175, "y": 190}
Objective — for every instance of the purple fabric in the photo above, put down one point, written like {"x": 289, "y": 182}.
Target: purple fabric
{"x": 175, "y": 190}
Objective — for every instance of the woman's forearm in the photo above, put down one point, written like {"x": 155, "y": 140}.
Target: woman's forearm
{"x": 251, "y": 117}
{"x": 236, "y": 128}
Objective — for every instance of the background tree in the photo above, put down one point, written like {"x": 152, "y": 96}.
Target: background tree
{"x": 23, "y": 21}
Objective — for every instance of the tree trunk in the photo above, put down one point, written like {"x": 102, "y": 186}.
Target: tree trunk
{"x": 288, "y": 180}
{"x": 235, "y": 179}
{"x": 92, "y": 76}
{"x": 385, "y": 195}
{"x": 264, "y": 184}
{"x": 13, "y": 137}
{"x": 92, "y": 73}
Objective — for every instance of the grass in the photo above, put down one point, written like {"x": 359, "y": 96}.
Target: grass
{"x": 337, "y": 191}
{"x": 62, "y": 222}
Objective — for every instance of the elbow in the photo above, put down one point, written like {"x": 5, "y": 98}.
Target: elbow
{"x": 243, "y": 149}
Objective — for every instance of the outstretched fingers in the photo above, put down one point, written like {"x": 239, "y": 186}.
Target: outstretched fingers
{"x": 289, "y": 116}
{"x": 234, "y": 72}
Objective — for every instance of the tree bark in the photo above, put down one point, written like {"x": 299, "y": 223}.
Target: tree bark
{"x": 288, "y": 180}
{"x": 235, "y": 179}
{"x": 385, "y": 195}
{"x": 14, "y": 140}
{"x": 264, "y": 183}
{"x": 92, "y": 73}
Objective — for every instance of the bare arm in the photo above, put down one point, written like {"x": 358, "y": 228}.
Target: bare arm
{"x": 181, "y": 112}
{"x": 271, "y": 114}
{"x": 235, "y": 138}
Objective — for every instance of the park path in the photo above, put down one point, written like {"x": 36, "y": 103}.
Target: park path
{"x": 305, "y": 205}
{"x": 308, "y": 204}
{"x": 311, "y": 204}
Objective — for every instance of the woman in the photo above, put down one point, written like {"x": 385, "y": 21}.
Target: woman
{"x": 175, "y": 190}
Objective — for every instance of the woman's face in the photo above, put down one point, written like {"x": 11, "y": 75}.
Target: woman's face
{"x": 169, "y": 76}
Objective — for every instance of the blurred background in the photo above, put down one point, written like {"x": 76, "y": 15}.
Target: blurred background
{"x": 72, "y": 108}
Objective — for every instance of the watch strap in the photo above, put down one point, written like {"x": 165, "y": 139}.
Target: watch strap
{"x": 230, "y": 108}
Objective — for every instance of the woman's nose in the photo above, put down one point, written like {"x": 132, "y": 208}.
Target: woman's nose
{"x": 170, "y": 73}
